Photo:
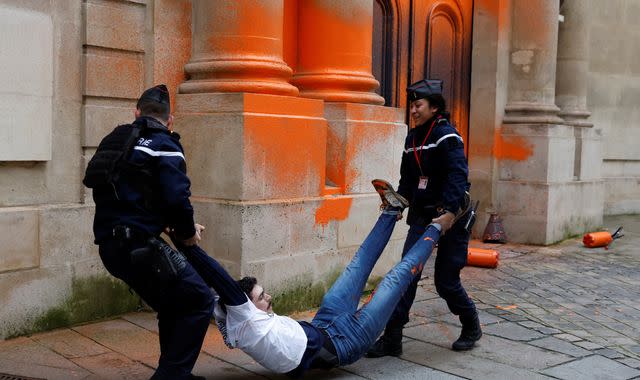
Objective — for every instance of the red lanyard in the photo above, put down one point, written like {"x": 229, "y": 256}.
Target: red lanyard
{"x": 415, "y": 151}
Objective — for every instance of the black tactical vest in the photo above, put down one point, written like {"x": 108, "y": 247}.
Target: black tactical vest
{"x": 110, "y": 162}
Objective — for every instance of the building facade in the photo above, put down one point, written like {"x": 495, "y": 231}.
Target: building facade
{"x": 288, "y": 108}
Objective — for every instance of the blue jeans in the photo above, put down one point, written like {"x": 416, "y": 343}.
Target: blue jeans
{"x": 353, "y": 331}
{"x": 451, "y": 258}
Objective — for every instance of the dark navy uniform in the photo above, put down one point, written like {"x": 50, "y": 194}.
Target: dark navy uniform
{"x": 127, "y": 214}
{"x": 440, "y": 161}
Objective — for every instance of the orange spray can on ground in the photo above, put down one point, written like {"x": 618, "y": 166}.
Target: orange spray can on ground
{"x": 486, "y": 258}
{"x": 601, "y": 239}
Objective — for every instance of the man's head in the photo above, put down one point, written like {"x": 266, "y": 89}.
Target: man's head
{"x": 256, "y": 293}
{"x": 154, "y": 102}
{"x": 426, "y": 100}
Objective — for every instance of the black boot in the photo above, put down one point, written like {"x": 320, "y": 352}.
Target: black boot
{"x": 470, "y": 334}
{"x": 389, "y": 344}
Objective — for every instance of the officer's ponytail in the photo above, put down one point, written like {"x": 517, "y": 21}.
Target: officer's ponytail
{"x": 437, "y": 101}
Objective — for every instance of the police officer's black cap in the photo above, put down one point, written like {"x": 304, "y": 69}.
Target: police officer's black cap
{"x": 158, "y": 94}
{"x": 424, "y": 88}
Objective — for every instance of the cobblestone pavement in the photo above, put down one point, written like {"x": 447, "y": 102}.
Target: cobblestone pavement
{"x": 562, "y": 312}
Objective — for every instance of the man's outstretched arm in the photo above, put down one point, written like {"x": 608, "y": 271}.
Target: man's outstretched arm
{"x": 214, "y": 275}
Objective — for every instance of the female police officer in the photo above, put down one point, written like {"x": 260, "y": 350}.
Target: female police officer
{"x": 433, "y": 177}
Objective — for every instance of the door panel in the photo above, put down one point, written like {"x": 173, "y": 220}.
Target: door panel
{"x": 441, "y": 49}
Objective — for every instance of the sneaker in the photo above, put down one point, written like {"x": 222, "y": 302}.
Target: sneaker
{"x": 389, "y": 196}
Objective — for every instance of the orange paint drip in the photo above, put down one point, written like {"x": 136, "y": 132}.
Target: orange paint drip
{"x": 333, "y": 209}
{"x": 513, "y": 148}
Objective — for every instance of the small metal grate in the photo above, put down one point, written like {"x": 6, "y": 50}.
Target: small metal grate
{"x": 8, "y": 376}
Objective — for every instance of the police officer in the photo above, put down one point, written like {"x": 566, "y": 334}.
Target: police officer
{"x": 434, "y": 178}
{"x": 146, "y": 192}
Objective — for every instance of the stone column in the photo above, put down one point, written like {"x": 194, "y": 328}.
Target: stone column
{"x": 257, "y": 155}
{"x": 571, "y": 97}
{"x": 571, "y": 88}
{"x": 334, "y": 64}
{"x": 573, "y": 64}
{"x": 536, "y": 193}
{"x": 334, "y": 51}
{"x": 532, "y": 72}
{"x": 238, "y": 47}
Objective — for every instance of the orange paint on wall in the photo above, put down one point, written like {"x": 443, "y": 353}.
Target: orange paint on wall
{"x": 247, "y": 30}
{"x": 333, "y": 209}
{"x": 512, "y": 148}
{"x": 287, "y": 150}
{"x": 343, "y": 152}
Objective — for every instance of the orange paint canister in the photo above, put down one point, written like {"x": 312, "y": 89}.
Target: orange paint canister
{"x": 486, "y": 258}
{"x": 597, "y": 239}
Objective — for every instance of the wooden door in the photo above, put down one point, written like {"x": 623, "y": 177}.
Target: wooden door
{"x": 440, "y": 48}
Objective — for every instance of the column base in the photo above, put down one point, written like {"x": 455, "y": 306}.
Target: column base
{"x": 284, "y": 245}
{"x": 247, "y": 146}
{"x": 546, "y": 213}
{"x": 531, "y": 113}
{"x": 364, "y": 142}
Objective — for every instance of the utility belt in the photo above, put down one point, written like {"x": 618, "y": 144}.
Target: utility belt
{"x": 165, "y": 263}
{"x": 466, "y": 216}
{"x": 327, "y": 357}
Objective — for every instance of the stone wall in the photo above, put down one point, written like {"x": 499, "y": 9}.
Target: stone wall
{"x": 50, "y": 271}
{"x": 94, "y": 59}
{"x": 614, "y": 95}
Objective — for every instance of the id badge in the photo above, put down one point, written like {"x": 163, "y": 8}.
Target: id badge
{"x": 422, "y": 184}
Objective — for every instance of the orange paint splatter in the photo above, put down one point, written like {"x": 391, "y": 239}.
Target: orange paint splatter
{"x": 346, "y": 146}
{"x": 333, "y": 209}
{"x": 512, "y": 148}
{"x": 281, "y": 155}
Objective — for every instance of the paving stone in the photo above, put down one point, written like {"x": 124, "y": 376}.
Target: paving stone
{"x": 501, "y": 350}
{"x": 635, "y": 349}
{"x": 113, "y": 365}
{"x": 438, "y": 333}
{"x": 69, "y": 343}
{"x": 609, "y": 353}
{"x": 146, "y": 320}
{"x": 588, "y": 345}
{"x": 395, "y": 368}
{"x": 568, "y": 337}
{"x": 593, "y": 367}
{"x": 430, "y": 308}
{"x": 579, "y": 333}
{"x": 513, "y": 331}
{"x": 634, "y": 363}
{"x": 41, "y": 371}
{"x": 416, "y": 320}
{"x": 558, "y": 345}
{"x": 462, "y": 364}
{"x": 25, "y": 352}
{"x": 124, "y": 337}
{"x": 335, "y": 373}
{"x": 213, "y": 368}
{"x": 214, "y": 346}
{"x": 539, "y": 327}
